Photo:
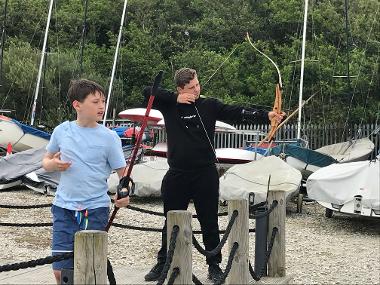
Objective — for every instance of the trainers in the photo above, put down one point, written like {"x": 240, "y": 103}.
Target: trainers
{"x": 215, "y": 273}
{"x": 155, "y": 272}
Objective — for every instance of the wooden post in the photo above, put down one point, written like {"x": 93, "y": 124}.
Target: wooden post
{"x": 276, "y": 262}
{"x": 239, "y": 273}
{"x": 183, "y": 250}
{"x": 90, "y": 257}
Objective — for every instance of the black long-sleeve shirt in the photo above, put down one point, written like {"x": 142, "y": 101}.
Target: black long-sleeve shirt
{"x": 187, "y": 143}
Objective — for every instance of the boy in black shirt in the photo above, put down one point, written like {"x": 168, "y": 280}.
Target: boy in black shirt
{"x": 190, "y": 126}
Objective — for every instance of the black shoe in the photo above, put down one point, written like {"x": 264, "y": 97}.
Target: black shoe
{"x": 215, "y": 273}
{"x": 155, "y": 272}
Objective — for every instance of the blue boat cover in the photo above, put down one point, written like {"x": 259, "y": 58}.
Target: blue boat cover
{"x": 31, "y": 130}
{"x": 304, "y": 154}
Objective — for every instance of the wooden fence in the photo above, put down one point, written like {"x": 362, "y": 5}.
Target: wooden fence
{"x": 317, "y": 135}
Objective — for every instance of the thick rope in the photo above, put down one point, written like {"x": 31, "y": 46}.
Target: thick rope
{"x": 169, "y": 258}
{"x": 161, "y": 214}
{"x": 196, "y": 281}
{"x": 26, "y": 225}
{"x": 36, "y": 262}
{"x": 174, "y": 275}
{"x": 265, "y": 214}
{"x": 261, "y": 272}
{"x": 110, "y": 273}
{"x": 218, "y": 248}
{"x": 229, "y": 263}
{"x": 25, "y": 206}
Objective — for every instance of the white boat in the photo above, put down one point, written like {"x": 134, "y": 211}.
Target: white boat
{"x": 236, "y": 155}
{"x": 253, "y": 177}
{"x": 138, "y": 115}
{"x": 352, "y": 188}
{"x": 147, "y": 177}
{"x": 20, "y": 136}
{"x": 350, "y": 151}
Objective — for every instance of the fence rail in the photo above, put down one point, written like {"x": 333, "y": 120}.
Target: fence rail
{"x": 317, "y": 135}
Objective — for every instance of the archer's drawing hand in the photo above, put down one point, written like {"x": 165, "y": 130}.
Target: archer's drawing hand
{"x": 278, "y": 117}
{"x": 58, "y": 164}
{"x": 186, "y": 98}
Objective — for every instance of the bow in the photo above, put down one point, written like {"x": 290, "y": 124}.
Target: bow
{"x": 278, "y": 99}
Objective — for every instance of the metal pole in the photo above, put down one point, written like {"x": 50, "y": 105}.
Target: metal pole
{"x": 302, "y": 71}
{"x": 261, "y": 241}
{"x": 41, "y": 64}
{"x": 115, "y": 61}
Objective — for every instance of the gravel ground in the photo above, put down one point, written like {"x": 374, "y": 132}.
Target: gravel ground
{"x": 341, "y": 250}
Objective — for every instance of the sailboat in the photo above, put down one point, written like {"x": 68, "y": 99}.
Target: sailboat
{"x": 351, "y": 188}
{"x": 22, "y": 136}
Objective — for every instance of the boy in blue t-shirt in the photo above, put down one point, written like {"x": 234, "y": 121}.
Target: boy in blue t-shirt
{"x": 86, "y": 153}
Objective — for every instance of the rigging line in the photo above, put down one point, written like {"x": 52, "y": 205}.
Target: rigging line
{"x": 224, "y": 61}
{"x": 370, "y": 84}
{"x": 314, "y": 37}
{"x": 58, "y": 56}
{"x": 294, "y": 64}
{"x": 83, "y": 35}
{"x": 359, "y": 72}
{"x": 2, "y": 41}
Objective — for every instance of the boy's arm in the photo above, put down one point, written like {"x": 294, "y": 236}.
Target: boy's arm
{"x": 52, "y": 162}
{"x": 163, "y": 97}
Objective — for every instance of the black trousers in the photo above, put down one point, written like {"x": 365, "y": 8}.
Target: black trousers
{"x": 202, "y": 186}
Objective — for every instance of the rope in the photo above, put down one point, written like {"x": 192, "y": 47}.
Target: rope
{"x": 36, "y": 262}
{"x": 169, "y": 259}
{"x": 196, "y": 281}
{"x": 216, "y": 250}
{"x": 25, "y": 206}
{"x": 26, "y": 225}
{"x": 110, "y": 273}
{"x": 174, "y": 275}
{"x": 274, "y": 205}
{"x": 229, "y": 264}
{"x": 267, "y": 255}
{"x": 161, "y": 214}
{"x": 136, "y": 228}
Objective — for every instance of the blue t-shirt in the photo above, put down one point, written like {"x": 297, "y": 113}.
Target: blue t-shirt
{"x": 94, "y": 153}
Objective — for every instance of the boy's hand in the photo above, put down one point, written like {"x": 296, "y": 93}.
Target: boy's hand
{"x": 186, "y": 98}
{"x": 58, "y": 164}
{"x": 123, "y": 202}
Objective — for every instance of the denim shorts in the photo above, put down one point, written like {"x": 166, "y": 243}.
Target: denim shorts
{"x": 66, "y": 223}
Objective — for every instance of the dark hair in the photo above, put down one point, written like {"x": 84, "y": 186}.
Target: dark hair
{"x": 183, "y": 76}
{"x": 81, "y": 88}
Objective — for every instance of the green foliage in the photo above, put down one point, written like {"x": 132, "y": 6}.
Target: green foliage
{"x": 206, "y": 35}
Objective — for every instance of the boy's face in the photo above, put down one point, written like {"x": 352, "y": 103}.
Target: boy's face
{"x": 193, "y": 87}
{"x": 92, "y": 108}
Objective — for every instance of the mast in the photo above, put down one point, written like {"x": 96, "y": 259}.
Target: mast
{"x": 41, "y": 64}
{"x": 3, "y": 41}
{"x": 302, "y": 70}
{"x": 115, "y": 61}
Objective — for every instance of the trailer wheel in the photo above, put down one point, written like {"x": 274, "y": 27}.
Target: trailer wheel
{"x": 328, "y": 213}
{"x": 299, "y": 203}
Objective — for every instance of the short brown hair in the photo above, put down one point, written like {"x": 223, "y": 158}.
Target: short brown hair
{"x": 183, "y": 76}
{"x": 81, "y": 88}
